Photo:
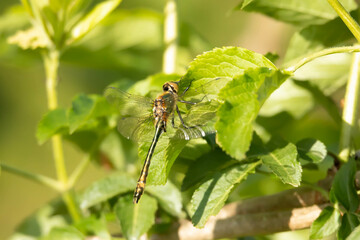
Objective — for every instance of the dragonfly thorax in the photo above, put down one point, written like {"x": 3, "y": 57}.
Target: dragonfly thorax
{"x": 164, "y": 106}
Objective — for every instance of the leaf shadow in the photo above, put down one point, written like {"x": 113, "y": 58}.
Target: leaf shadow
{"x": 202, "y": 205}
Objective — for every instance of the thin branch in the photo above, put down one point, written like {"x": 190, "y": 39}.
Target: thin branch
{"x": 322, "y": 53}
{"x": 351, "y": 105}
{"x": 53, "y": 184}
{"x": 289, "y": 210}
{"x": 79, "y": 170}
{"x": 352, "y": 25}
{"x": 170, "y": 37}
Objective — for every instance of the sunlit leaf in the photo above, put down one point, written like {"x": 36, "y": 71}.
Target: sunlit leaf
{"x": 168, "y": 197}
{"x": 224, "y": 62}
{"x": 355, "y": 235}
{"x": 165, "y": 153}
{"x": 135, "y": 219}
{"x": 343, "y": 187}
{"x": 99, "y": 12}
{"x": 106, "y": 188}
{"x": 281, "y": 158}
{"x": 290, "y": 98}
{"x": 327, "y": 73}
{"x": 298, "y": 13}
{"x": 51, "y": 123}
{"x": 311, "y": 150}
{"x": 210, "y": 197}
{"x": 243, "y": 98}
{"x": 68, "y": 233}
{"x": 348, "y": 224}
{"x": 326, "y": 224}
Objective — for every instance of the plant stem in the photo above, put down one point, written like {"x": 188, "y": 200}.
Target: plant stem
{"x": 352, "y": 25}
{"x": 351, "y": 105}
{"x": 79, "y": 170}
{"x": 170, "y": 37}
{"x": 51, "y": 61}
{"x": 322, "y": 53}
{"x": 35, "y": 177}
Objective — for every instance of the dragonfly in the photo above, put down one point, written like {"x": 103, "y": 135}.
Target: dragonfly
{"x": 142, "y": 118}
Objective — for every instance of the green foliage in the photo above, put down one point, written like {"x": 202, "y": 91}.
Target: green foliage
{"x": 311, "y": 150}
{"x": 294, "y": 12}
{"x": 60, "y": 23}
{"x": 348, "y": 224}
{"x": 326, "y": 224}
{"x": 68, "y": 232}
{"x": 355, "y": 234}
{"x": 135, "y": 219}
{"x": 210, "y": 197}
{"x": 343, "y": 187}
{"x": 230, "y": 86}
{"x": 106, "y": 188}
{"x": 168, "y": 197}
{"x": 243, "y": 98}
{"x": 51, "y": 124}
{"x": 281, "y": 158}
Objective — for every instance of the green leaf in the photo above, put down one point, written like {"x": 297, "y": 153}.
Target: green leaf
{"x": 40, "y": 223}
{"x": 165, "y": 154}
{"x": 99, "y": 12}
{"x": 243, "y": 98}
{"x": 355, "y": 235}
{"x": 298, "y": 13}
{"x": 51, "y": 123}
{"x": 68, "y": 233}
{"x": 118, "y": 150}
{"x": 84, "y": 108}
{"x": 288, "y": 98}
{"x": 327, "y": 73}
{"x": 106, "y": 188}
{"x": 210, "y": 197}
{"x": 94, "y": 226}
{"x": 135, "y": 219}
{"x": 204, "y": 166}
{"x": 343, "y": 186}
{"x": 312, "y": 150}
{"x": 317, "y": 37}
{"x": 281, "y": 158}
{"x": 326, "y": 224}
{"x": 348, "y": 224}
{"x": 325, "y": 101}
{"x": 224, "y": 62}
{"x": 27, "y": 6}
{"x": 168, "y": 197}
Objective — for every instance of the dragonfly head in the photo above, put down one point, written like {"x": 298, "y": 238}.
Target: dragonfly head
{"x": 171, "y": 87}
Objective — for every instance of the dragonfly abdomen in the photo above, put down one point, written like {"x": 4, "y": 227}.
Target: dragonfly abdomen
{"x": 140, "y": 187}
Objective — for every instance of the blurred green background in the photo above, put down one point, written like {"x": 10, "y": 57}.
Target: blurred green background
{"x": 106, "y": 55}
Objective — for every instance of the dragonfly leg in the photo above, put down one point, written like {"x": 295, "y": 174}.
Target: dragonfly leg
{"x": 181, "y": 119}
{"x": 186, "y": 136}
{"x": 187, "y": 127}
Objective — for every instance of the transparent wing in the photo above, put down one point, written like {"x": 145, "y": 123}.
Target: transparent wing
{"x": 136, "y": 120}
{"x": 129, "y": 105}
{"x": 198, "y": 121}
{"x": 136, "y": 128}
